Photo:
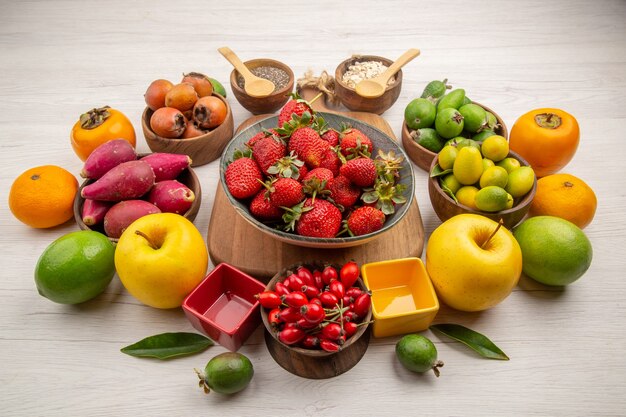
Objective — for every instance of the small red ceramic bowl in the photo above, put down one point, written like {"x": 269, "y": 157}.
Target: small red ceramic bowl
{"x": 224, "y": 307}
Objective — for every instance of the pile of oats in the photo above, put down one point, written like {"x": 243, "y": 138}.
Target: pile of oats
{"x": 364, "y": 70}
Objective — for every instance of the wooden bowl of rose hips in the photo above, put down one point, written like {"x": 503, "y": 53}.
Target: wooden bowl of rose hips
{"x": 317, "y": 317}
{"x": 187, "y": 118}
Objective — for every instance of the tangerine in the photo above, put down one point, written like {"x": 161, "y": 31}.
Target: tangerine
{"x": 564, "y": 196}
{"x": 43, "y": 196}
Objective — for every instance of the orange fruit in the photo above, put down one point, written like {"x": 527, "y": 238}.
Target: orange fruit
{"x": 564, "y": 196}
{"x": 43, "y": 196}
{"x": 547, "y": 138}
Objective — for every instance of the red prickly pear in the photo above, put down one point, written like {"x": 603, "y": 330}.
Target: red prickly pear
{"x": 122, "y": 214}
{"x": 171, "y": 196}
{"x": 107, "y": 156}
{"x": 167, "y": 166}
{"x": 127, "y": 181}
{"x": 94, "y": 211}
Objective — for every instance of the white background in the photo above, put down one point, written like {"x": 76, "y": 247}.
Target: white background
{"x": 61, "y": 58}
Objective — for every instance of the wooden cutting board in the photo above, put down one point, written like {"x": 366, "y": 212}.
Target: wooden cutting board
{"x": 233, "y": 240}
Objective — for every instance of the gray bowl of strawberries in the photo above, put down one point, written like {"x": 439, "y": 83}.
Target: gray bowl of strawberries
{"x": 341, "y": 188}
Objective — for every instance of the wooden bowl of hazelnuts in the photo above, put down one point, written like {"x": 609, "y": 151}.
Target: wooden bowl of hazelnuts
{"x": 187, "y": 118}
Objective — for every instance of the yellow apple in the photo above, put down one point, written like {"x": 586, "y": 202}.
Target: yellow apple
{"x": 473, "y": 262}
{"x": 160, "y": 258}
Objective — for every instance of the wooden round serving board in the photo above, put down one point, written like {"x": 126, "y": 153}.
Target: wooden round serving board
{"x": 233, "y": 240}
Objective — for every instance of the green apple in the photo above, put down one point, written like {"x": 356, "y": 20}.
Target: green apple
{"x": 160, "y": 258}
{"x": 473, "y": 263}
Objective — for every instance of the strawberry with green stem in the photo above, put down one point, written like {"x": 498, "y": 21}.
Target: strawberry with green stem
{"x": 288, "y": 166}
{"x": 364, "y": 220}
{"x": 313, "y": 218}
{"x": 243, "y": 178}
{"x": 354, "y": 143}
{"x": 284, "y": 192}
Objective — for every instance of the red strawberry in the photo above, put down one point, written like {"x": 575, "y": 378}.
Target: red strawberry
{"x": 262, "y": 209}
{"x": 361, "y": 171}
{"x": 316, "y": 181}
{"x": 355, "y": 142}
{"x": 296, "y": 106}
{"x": 365, "y": 220}
{"x": 289, "y": 167}
{"x": 285, "y": 192}
{"x": 308, "y": 145}
{"x": 267, "y": 150}
{"x": 330, "y": 160}
{"x": 317, "y": 218}
{"x": 243, "y": 178}
{"x": 250, "y": 143}
{"x": 322, "y": 174}
{"x": 332, "y": 137}
{"x": 343, "y": 192}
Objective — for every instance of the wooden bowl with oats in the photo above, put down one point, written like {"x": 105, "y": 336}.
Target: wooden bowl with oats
{"x": 365, "y": 66}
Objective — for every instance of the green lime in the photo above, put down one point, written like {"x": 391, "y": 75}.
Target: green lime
{"x": 554, "y": 251}
{"x": 492, "y": 199}
{"x": 420, "y": 113}
{"x": 227, "y": 373}
{"x": 453, "y": 100}
{"x": 474, "y": 117}
{"x": 218, "y": 87}
{"x": 521, "y": 181}
{"x": 75, "y": 267}
{"x": 494, "y": 176}
{"x": 449, "y": 123}
{"x": 495, "y": 147}
{"x": 428, "y": 138}
{"x": 487, "y": 163}
{"x": 418, "y": 354}
{"x": 466, "y": 195}
{"x": 481, "y": 136}
{"x": 451, "y": 183}
{"x": 447, "y": 156}
{"x": 510, "y": 164}
{"x": 468, "y": 165}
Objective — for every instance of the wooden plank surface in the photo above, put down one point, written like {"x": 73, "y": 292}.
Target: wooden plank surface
{"x": 61, "y": 58}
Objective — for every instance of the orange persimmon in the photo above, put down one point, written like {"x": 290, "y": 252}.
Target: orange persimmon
{"x": 98, "y": 126}
{"x": 546, "y": 138}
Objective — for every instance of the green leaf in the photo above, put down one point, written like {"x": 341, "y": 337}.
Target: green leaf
{"x": 474, "y": 340}
{"x": 438, "y": 172}
{"x": 168, "y": 345}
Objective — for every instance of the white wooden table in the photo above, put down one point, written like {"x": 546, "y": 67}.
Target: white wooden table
{"x": 58, "y": 59}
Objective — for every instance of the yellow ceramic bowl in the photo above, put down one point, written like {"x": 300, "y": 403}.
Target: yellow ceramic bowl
{"x": 403, "y": 297}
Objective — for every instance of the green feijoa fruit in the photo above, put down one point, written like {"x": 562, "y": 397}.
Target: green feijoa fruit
{"x": 491, "y": 123}
{"x": 466, "y": 100}
{"x": 474, "y": 116}
{"x": 428, "y": 138}
{"x": 418, "y": 354}
{"x": 449, "y": 123}
{"x": 483, "y": 135}
{"x": 454, "y": 100}
{"x": 226, "y": 373}
{"x": 435, "y": 89}
{"x": 420, "y": 113}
